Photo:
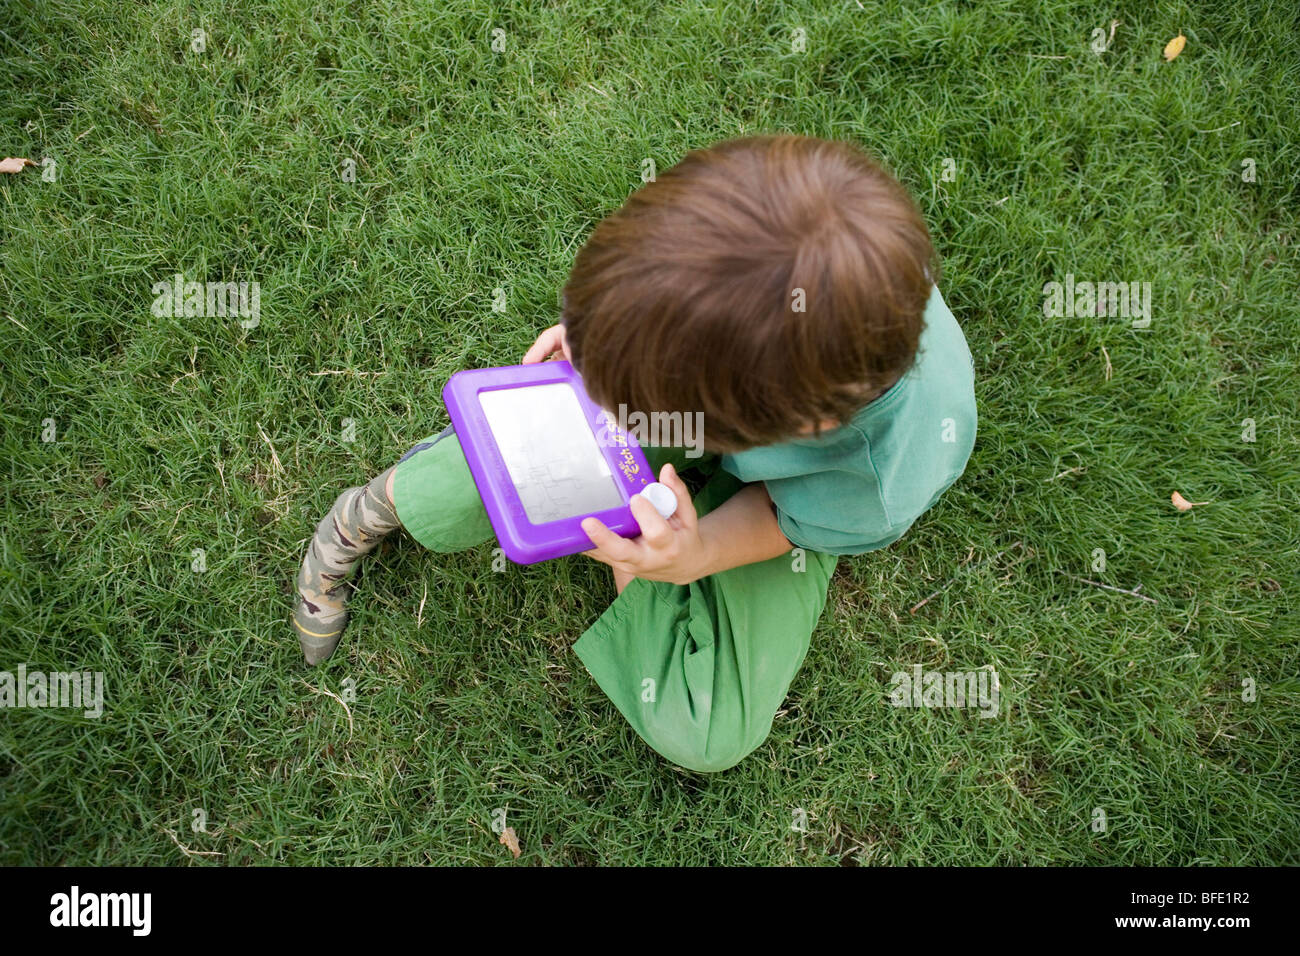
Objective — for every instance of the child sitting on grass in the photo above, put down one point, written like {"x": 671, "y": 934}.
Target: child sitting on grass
{"x": 782, "y": 286}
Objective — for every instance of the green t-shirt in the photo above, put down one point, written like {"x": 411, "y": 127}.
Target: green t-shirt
{"x": 858, "y": 487}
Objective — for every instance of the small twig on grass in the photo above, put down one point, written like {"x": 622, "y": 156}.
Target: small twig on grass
{"x": 419, "y": 614}
{"x": 330, "y": 693}
{"x": 1098, "y": 584}
{"x": 274, "y": 457}
{"x": 920, "y": 604}
{"x": 343, "y": 371}
{"x": 186, "y": 850}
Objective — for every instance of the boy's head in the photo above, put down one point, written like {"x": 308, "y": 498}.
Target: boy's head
{"x": 771, "y": 283}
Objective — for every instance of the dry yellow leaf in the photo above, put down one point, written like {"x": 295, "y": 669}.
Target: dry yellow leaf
{"x": 1175, "y": 46}
{"x": 1182, "y": 504}
{"x": 509, "y": 839}
{"x": 14, "y": 164}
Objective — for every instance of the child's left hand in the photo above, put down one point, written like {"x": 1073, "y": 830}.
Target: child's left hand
{"x": 666, "y": 550}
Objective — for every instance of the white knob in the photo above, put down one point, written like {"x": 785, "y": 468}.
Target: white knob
{"x": 662, "y": 497}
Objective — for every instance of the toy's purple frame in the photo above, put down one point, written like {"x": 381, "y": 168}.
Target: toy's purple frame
{"x": 522, "y": 541}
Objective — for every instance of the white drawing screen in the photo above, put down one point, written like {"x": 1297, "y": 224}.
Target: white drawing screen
{"x": 550, "y": 452}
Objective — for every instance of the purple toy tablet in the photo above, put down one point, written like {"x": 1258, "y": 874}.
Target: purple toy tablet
{"x": 544, "y": 456}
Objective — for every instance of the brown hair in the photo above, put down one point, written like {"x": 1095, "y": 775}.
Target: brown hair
{"x": 684, "y": 299}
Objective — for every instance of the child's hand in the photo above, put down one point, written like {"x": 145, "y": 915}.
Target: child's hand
{"x": 669, "y": 550}
{"x": 547, "y": 345}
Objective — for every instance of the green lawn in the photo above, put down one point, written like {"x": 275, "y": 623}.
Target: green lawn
{"x": 478, "y": 170}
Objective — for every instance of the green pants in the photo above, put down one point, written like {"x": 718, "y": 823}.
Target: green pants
{"x": 698, "y": 670}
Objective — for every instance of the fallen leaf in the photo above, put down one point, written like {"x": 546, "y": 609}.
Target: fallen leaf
{"x": 100, "y": 480}
{"x": 509, "y": 839}
{"x": 1175, "y": 46}
{"x": 1182, "y": 504}
{"x": 14, "y": 164}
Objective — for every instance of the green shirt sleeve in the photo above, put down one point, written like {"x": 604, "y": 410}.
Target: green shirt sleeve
{"x": 859, "y": 487}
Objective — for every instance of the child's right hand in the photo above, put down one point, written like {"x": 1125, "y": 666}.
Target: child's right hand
{"x": 547, "y": 345}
